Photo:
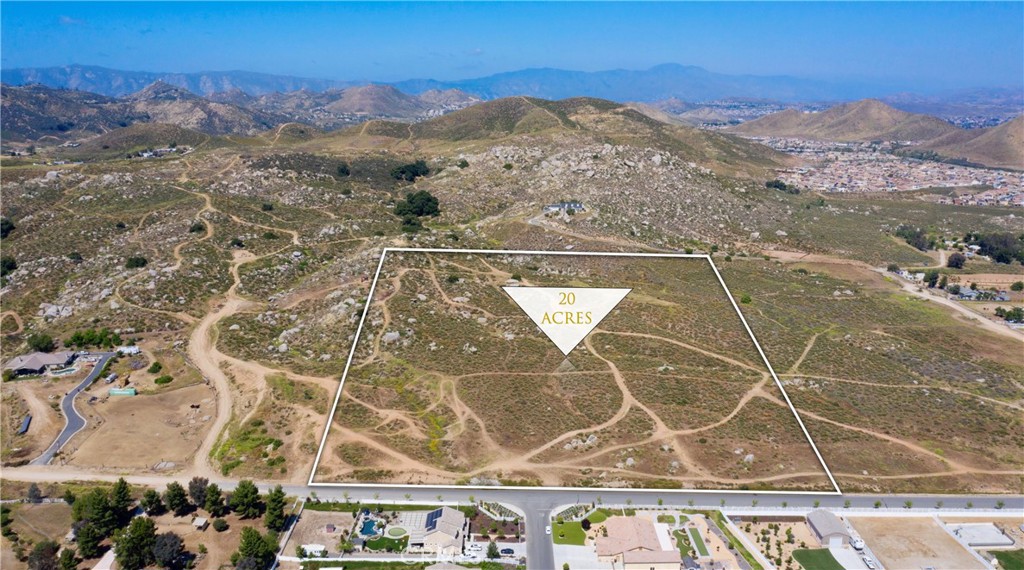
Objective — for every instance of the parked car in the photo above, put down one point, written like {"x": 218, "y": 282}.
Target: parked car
{"x": 547, "y": 529}
{"x": 507, "y": 552}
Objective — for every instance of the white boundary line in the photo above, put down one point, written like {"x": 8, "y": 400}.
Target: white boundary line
{"x": 369, "y": 301}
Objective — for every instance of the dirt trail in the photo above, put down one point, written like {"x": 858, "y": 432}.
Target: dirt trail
{"x": 17, "y": 321}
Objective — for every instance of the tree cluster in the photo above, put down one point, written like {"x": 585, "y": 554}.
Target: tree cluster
{"x": 1002, "y": 247}
{"x": 410, "y": 172}
{"x": 414, "y": 206}
{"x": 916, "y": 237}
{"x": 782, "y": 186}
{"x": 103, "y": 337}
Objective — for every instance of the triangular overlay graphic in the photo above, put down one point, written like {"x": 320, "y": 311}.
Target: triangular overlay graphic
{"x": 566, "y": 314}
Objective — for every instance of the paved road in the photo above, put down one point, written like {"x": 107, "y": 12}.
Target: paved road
{"x": 539, "y": 505}
{"x": 73, "y": 421}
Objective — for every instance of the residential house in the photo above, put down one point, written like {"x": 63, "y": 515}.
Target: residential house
{"x": 39, "y": 362}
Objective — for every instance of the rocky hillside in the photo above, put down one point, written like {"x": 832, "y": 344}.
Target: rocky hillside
{"x": 860, "y": 121}
{"x": 165, "y": 103}
{"x": 34, "y": 112}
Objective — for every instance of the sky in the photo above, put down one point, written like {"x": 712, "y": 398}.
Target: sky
{"x": 929, "y": 45}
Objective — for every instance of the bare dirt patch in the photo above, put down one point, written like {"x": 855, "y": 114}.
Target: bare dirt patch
{"x": 127, "y": 428}
{"x": 913, "y": 543}
{"x": 312, "y": 529}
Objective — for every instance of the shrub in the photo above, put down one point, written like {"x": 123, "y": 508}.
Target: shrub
{"x": 462, "y": 163}
{"x": 75, "y": 257}
{"x": 507, "y": 166}
{"x": 197, "y": 227}
{"x": 421, "y": 203}
{"x": 6, "y": 227}
{"x": 135, "y": 261}
{"x": 7, "y": 265}
{"x": 269, "y": 235}
{"x": 410, "y": 172}
{"x": 745, "y": 299}
{"x": 165, "y": 379}
{"x": 220, "y": 525}
{"x": 41, "y": 342}
{"x": 236, "y": 243}
{"x": 155, "y": 368}
{"x": 267, "y": 207}
{"x": 1017, "y": 286}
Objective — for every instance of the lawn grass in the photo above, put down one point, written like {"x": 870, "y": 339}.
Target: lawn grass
{"x": 682, "y": 541}
{"x": 667, "y": 519}
{"x": 388, "y": 544}
{"x": 599, "y": 516}
{"x": 819, "y": 559}
{"x": 569, "y": 533}
{"x": 698, "y": 542}
{"x": 1010, "y": 559}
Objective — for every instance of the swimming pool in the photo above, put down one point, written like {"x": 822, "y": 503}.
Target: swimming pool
{"x": 369, "y": 528}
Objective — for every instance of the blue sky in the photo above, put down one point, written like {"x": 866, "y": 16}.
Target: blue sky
{"x": 929, "y": 45}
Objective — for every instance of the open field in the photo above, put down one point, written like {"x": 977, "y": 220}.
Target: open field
{"x": 453, "y": 384}
{"x": 913, "y": 543}
{"x": 124, "y": 429}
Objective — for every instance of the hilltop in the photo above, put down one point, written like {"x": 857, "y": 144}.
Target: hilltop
{"x": 580, "y": 120}
{"x": 165, "y": 103}
{"x": 35, "y": 111}
{"x": 865, "y": 120}
{"x": 1001, "y": 146}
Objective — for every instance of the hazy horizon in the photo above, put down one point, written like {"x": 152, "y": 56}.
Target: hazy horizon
{"x": 925, "y": 47}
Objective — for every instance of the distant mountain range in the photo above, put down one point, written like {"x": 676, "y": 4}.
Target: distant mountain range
{"x": 667, "y": 81}
{"x": 35, "y": 111}
{"x": 118, "y": 83}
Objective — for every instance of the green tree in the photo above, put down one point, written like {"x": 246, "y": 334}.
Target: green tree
{"x": 41, "y": 342}
{"x": 410, "y": 172}
{"x": 1017, "y": 286}
{"x": 176, "y": 499}
{"x": 197, "y": 488}
{"x": 67, "y": 560}
{"x": 6, "y": 227}
{"x": 956, "y": 261}
{"x": 274, "y": 516}
{"x": 94, "y": 507}
{"x": 420, "y": 203}
{"x": 88, "y": 539}
{"x": 7, "y": 265}
{"x": 255, "y": 547}
{"x": 34, "y": 495}
{"x": 133, "y": 547}
{"x": 43, "y": 556}
{"x": 931, "y": 277}
{"x": 121, "y": 501}
{"x": 492, "y": 550}
{"x": 214, "y": 501}
{"x": 168, "y": 549}
{"x": 246, "y": 500}
{"x": 152, "y": 503}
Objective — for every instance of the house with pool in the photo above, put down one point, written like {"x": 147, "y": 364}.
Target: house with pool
{"x": 441, "y": 531}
